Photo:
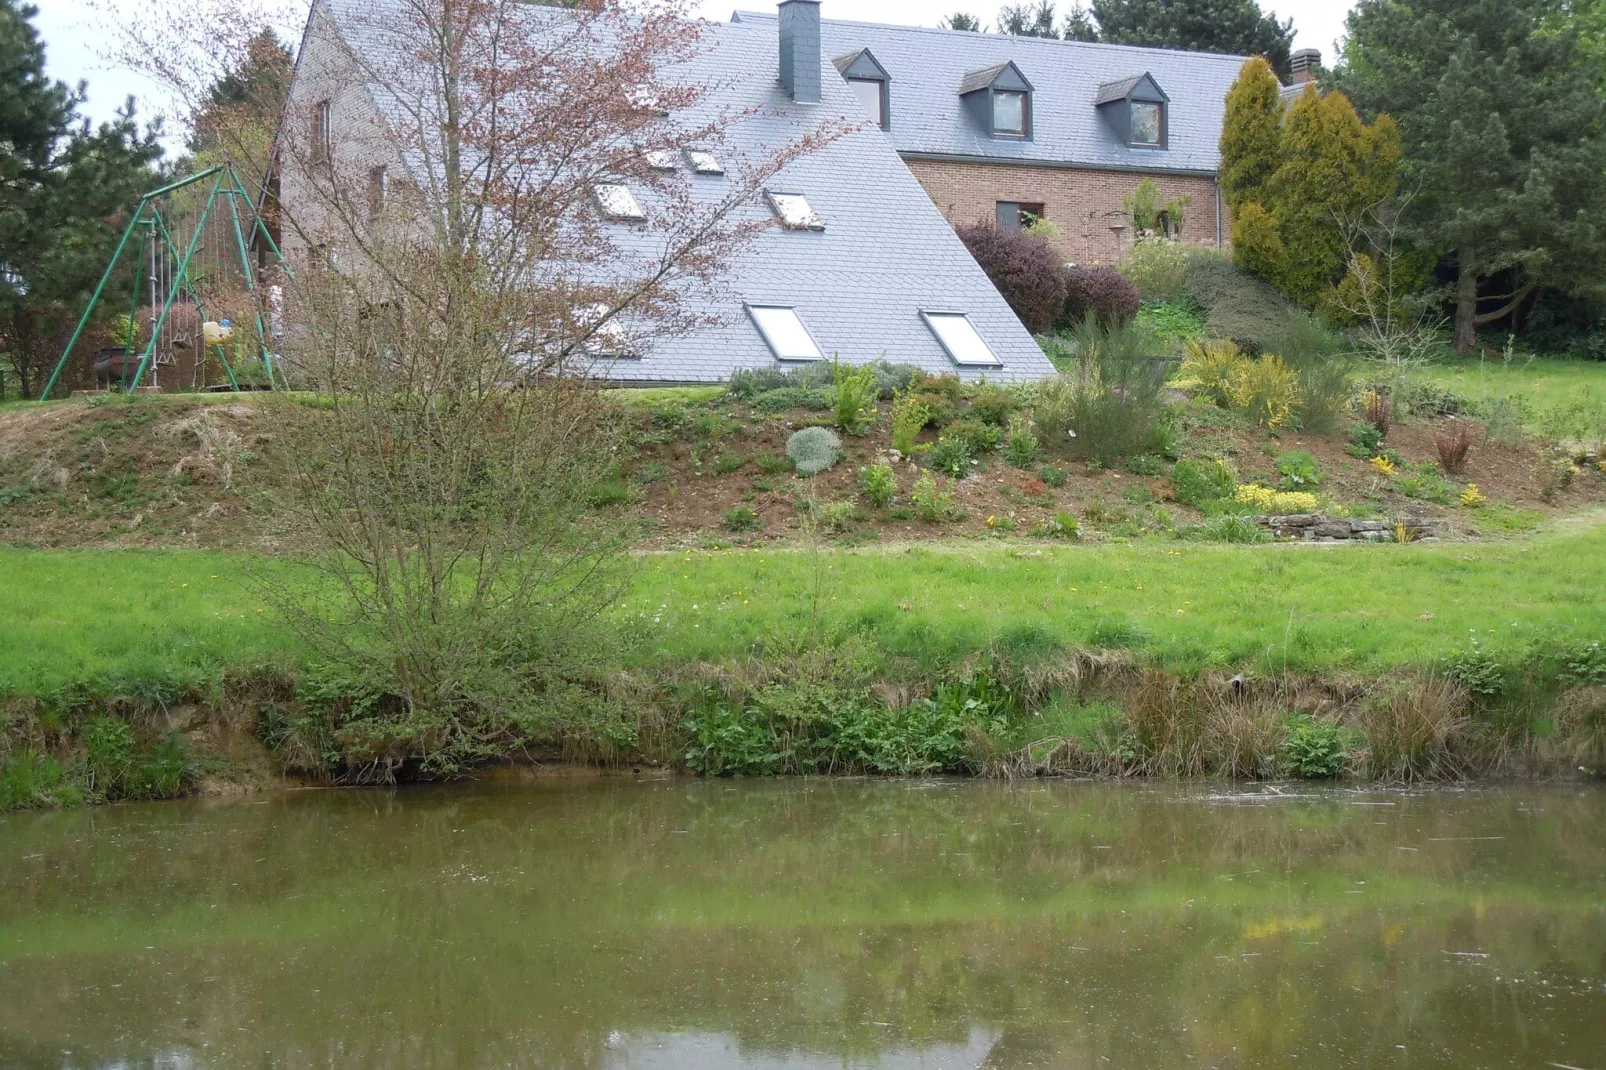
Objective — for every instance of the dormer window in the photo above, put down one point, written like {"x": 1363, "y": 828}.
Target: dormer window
{"x": 870, "y": 83}
{"x": 999, "y": 100}
{"x": 1134, "y": 110}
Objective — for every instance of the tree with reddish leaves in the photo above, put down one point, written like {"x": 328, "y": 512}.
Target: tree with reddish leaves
{"x": 1024, "y": 267}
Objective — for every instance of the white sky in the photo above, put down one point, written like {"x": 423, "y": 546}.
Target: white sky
{"x": 76, "y": 36}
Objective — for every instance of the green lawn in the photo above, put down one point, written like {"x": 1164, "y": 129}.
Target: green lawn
{"x": 69, "y": 616}
{"x": 1546, "y": 382}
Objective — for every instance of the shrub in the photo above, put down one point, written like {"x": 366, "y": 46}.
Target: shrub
{"x": 1054, "y": 477}
{"x": 932, "y": 502}
{"x": 1274, "y": 502}
{"x": 1228, "y": 528}
{"x": 1426, "y": 483}
{"x": 742, "y": 518}
{"x": 771, "y": 463}
{"x": 1236, "y": 305}
{"x": 1452, "y": 446}
{"x": 980, "y": 437}
{"x": 1378, "y": 412}
{"x": 1020, "y": 446}
{"x": 854, "y": 392}
{"x": 1025, "y": 269}
{"x": 1299, "y": 470}
{"x": 835, "y": 516}
{"x": 815, "y": 399}
{"x": 1158, "y": 267}
{"x": 947, "y": 384}
{"x": 1364, "y": 439}
{"x": 1473, "y": 498}
{"x": 1209, "y": 370}
{"x": 909, "y": 416}
{"x": 1201, "y": 481}
{"x": 751, "y": 382}
{"x": 1174, "y": 323}
{"x": 1062, "y": 525}
{"x": 993, "y": 406}
{"x": 1102, "y": 294}
{"x": 813, "y": 450}
{"x": 879, "y": 484}
{"x": 891, "y": 378}
{"x": 1144, "y": 464}
{"x": 1313, "y": 749}
{"x": 1267, "y": 392}
{"x": 941, "y": 410}
{"x": 952, "y": 454}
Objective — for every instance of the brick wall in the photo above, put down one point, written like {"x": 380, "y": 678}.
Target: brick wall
{"x": 1083, "y": 204}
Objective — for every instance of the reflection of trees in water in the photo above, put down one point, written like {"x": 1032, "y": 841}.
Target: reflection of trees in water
{"x": 522, "y": 926}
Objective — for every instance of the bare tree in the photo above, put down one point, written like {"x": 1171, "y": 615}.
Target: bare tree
{"x": 507, "y": 213}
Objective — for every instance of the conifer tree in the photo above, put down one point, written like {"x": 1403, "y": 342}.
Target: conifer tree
{"x": 1251, "y": 134}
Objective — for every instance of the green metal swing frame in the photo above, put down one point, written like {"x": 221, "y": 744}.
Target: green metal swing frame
{"x": 226, "y": 184}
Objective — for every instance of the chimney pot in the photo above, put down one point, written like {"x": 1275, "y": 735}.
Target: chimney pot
{"x": 800, "y": 50}
{"x": 1304, "y": 64}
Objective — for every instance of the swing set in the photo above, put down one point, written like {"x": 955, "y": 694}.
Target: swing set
{"x": 191, "y": 261}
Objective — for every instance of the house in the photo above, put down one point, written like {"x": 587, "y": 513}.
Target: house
{"x": 1012, "y": 128}
{"x": 858, "y": 264}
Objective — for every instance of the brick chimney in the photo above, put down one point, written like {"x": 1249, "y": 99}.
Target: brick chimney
{"x": 800, "y": 50}
{"x": 1304, "y": 64}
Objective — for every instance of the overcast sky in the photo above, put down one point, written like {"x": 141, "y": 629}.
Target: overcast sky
{"x": 76, "y": 36}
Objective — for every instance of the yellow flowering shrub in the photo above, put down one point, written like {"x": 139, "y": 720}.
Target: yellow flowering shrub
{"x": 1472, "y": 497}
{"x": 1210, "y": 368}
{"x": 1384, "y": 465}
{"x": 1267, "y": 390}
{"x": 1274, "y": 502}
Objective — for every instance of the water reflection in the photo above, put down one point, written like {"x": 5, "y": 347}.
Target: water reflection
{"x": 802, "y": 924}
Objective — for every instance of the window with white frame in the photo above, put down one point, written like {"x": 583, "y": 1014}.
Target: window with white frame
{"x": 704, "y": 163}
{"x": 872, "y": 93}
{"x": 608, "y": 337}
{"x": 784, "y": 332}
{"x": 959, "y": 338}
{"x": 660, "y": 159}
{"x": 794, "y": 212}
{"x": 618, "y": 203}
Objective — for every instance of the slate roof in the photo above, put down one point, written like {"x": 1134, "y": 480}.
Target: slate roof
{"x": 886, "y": 252}
{"x": 928, "y": 119}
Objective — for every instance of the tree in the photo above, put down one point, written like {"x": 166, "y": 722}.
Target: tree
{"x": 1232, "y": 26}
{"x": 1293, "y": 177}
{"x": 65, "y": 194}
{"x": 1028, "y": 20}
{"x": 961, "y": 21}
{"x": 237, "y": 116}
{"x": 1079, "y": 24}
{"x": 1504, "y": 131}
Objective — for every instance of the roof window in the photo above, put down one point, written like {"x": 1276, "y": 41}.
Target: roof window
{"x": 608, "y": 337}
{"x": 869, "y": 82}
{"x": 704, "y": 163}
{"x": 958, "y": 336}
{"x": 618, "y": 203}
{"x": 660, "y": 159}
{"x": 784, "y": 332}
{"x": 793, "y": 210}
{"x": 1009, "y": 112}
{"x": 1135, "y": 109}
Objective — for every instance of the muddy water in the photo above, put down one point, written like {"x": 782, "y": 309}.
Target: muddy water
{"x": 809, "y": 924}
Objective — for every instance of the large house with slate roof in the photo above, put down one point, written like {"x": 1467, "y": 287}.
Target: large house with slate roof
{"x": 1006, "y": 128}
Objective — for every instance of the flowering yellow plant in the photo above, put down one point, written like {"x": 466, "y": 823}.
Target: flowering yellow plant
{"x": 1472, "y": 497}
{"x": 1384, "y": 465}
{"x": 1276, "y": 502}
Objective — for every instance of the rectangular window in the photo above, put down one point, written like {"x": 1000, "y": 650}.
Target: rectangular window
{"x": 784, "y": 332}
{"x": 958, "y": 336}
{"x": 704, "y": 163}
{"x": 870, "y": 92}
{"x": 323, "y": 137}
{"x": 1017, "y": 215}
{"x": 378, "y": 190}
{"x": 609, "y": 339}
{"x": 660, "y": 159}
{"x": 1148, "y": 123}
{"x": 619, "y": 204}
{"x": 1009, "y": 113}
{"x": 793, "y": 211}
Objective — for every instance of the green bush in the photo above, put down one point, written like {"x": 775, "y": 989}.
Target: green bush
{"x": 813, "y": 450}
{"x": 854, "y": 393}
{"x": 1425, "y": 483}
{"x": 1054, "y": 477}
{"x": 1313, "y": 749}
{"x": 815, "y": 399}
{"x": 1021, "y": 444}
{"x": 30, "y": 780}
{"x": 1236, "y": 305}
{"x": 1158, "y": 266}
{"x": 879, "y": 484}
{"x": 933, "y": 503}
{"x": 1173, "y": 323}
{"x": 992, "y": 405}
{"x": 979, "y": 437}
{"x": 951, "y": 455}
{"x": 1364, "y": 439}
{"x": 1299, "y": 470}
{"x": 909, "y": 417}
{"x": 1201, "y": 481}
{"x": 1144, "y": 464}
{"x": 835, "y": 517}
{"x": 742, "y": 518}
{"x": 1476, "y": 669}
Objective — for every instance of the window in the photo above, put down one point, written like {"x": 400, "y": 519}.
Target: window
{"x": 872, "y": 98}
{"x": 378, "y": 190}
{"x": 793, "y": 211}
{"x": 1009, "y": 112}
{"x": 609, "y": 339}
{"x": 1016, "y": 215}
{"x": 323, "y": 142}
{"x": 784, "y": 333}
{"x": 1148, "y": 123}
{"x": 704, "y": 163}
{"x": 958, "y": 336}
{"x": 619, "y": 204}
{"x": 660, "y": 159}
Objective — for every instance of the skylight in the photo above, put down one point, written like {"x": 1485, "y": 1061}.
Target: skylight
{"x": 794, "y": 212}
{"x": 704, "y": 163}
{"x": 958, "y": 336}
{"x": 660, "y": 159}
{"x": 785, "y": 334}
{"x": 618, "y": 203}
{"x": 608, "y": 340}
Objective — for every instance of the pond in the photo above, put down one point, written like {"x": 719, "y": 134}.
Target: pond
{"x": 681, "y": 923}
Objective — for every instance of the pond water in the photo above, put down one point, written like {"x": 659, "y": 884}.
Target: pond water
{"x": 683, "y": 923}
